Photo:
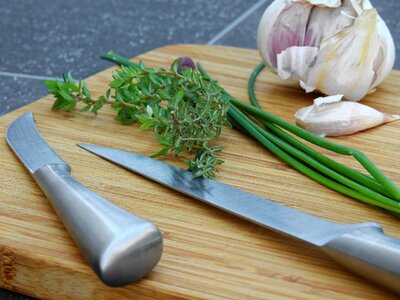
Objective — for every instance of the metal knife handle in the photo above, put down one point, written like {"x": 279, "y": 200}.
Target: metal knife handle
{"x": 120, "y": 247}
{"x": 370, "y": 253}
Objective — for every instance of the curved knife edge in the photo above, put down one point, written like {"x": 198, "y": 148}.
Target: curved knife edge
{"x": 25, "y": 141}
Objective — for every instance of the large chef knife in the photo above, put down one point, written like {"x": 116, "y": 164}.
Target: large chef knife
{"x": 363, "y": 248}
{"x": 120, "y": 247}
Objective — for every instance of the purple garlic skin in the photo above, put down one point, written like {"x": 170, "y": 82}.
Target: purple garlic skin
{"x": 185, "y": 62}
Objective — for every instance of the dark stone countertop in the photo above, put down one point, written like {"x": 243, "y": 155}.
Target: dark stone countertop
{"x": 42, "y": 39}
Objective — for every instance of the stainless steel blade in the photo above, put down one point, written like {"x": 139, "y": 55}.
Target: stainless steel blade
{"x": 264, "y": 212}
{"x": 24, "y": 139}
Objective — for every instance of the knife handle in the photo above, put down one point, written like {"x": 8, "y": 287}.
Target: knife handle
{"x": 120, "y": 247}
{"x": 370, "y": 253}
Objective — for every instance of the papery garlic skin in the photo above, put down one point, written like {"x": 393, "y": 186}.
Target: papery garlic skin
{"x": 336, "y": 47}
{"x": 329, "y": 116}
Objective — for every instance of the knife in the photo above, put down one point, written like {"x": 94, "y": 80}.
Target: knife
{"x": 120, "y": 247}
{"x": 362, "y": 248}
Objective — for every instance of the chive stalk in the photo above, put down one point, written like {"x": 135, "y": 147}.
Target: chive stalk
{"x": 250, "y": 126}
{"x": 119, "y": 60}
{"x": 299, "y": 155}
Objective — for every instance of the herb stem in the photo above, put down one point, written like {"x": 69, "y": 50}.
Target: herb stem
{"x": 251, "y": 84}
{"x": 342, "y": 169}
{"x": 79, "y": 97}
{"x": 119, "y": 60}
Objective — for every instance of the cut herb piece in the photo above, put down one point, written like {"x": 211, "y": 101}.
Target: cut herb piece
{"x": 205, "y": 163}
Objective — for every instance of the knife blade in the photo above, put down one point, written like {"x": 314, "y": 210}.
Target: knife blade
{"x": 120, "y": 247}
{"x": 362, "y": 248}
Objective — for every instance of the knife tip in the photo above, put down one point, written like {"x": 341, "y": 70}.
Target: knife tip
{"x": 95, "y": 149}
{"x": 85, "y": 146}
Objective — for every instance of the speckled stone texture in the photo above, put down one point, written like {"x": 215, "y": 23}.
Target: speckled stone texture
{"x": 47, "y": 37}
{"x": 16, "y": 92}
{"x": 51, "y": 37}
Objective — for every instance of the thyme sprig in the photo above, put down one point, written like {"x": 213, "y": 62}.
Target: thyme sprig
{"x": 185, "y": 109}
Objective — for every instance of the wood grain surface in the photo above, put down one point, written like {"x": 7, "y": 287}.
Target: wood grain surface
{"x": 208, "y": 254}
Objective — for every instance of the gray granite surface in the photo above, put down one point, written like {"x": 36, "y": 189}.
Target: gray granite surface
{"x": 43, "y": 38}
{"x": 16, "y": 91}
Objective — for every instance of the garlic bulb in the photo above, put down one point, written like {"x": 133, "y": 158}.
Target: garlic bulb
{"x": 333, "y": 46}
{"x": 329, "y": 116}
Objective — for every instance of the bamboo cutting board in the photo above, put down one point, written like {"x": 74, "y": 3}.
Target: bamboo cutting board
{"x": 208, "y": 254}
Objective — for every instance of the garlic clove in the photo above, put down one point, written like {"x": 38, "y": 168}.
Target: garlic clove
{"x": 276, "y": 38}
{"x": 318, "y": 29}
{"x": 350, "y": 53}
{"x": 288, "y": 23}
{"x": 329, "y": 116}
{"x": 294, "y": 62}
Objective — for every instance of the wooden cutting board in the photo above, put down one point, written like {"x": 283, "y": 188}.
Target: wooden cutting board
{"x": 208, "y": 254}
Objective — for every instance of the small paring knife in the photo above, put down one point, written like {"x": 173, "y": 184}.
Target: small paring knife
{"x": 362, "y": 248}
{"x": 120, "y": 247}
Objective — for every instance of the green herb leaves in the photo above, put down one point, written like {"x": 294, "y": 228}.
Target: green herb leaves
{"x": 185, "y": 109}
{"x": 205, "y": 162}
{"x": 68, "y": 94}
